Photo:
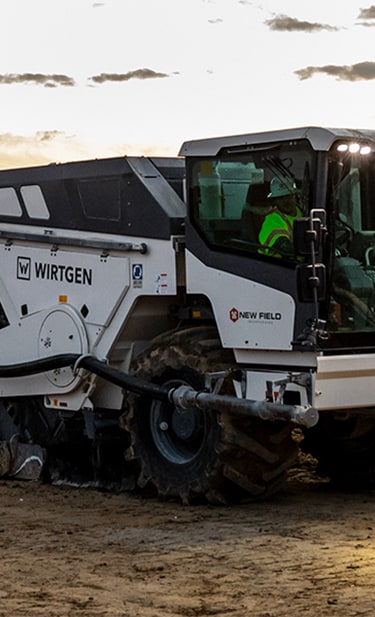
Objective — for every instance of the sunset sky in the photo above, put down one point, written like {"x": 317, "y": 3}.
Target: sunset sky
{"x": 86, "y": 79}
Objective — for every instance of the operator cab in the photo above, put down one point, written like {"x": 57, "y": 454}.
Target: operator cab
{"x": 229, "y": 182}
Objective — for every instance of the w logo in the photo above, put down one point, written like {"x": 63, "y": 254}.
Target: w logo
{"x": 24, "y": 268}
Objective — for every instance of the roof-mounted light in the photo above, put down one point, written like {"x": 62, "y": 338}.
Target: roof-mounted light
{"x": 354, "y": 148}
{"x": 365, "y": 150}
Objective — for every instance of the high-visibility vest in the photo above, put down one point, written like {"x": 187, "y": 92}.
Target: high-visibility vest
{"x": 276, "y": 225}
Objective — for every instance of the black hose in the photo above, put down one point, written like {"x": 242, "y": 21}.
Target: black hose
{"x": 38, "y": 366}
{"x": 183, "y": 396}
{"x": 99, "y": 367}
{"x": 128, "y": 382}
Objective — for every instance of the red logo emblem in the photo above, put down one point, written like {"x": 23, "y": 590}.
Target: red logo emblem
{"x": 233, "y": 315}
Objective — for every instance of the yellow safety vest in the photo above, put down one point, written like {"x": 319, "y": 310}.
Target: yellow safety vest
{"x": 276, "y": 225}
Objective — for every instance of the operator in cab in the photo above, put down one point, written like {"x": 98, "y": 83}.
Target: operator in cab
{"x": 277, "y": 228}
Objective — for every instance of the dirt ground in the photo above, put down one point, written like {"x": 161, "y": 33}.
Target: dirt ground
{"x": 66, "y": 551}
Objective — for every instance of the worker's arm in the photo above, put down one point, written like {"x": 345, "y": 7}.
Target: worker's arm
{"x": 285, "y": 246}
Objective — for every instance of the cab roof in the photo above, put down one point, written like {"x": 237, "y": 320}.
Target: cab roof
{"x": 319, "y": 138}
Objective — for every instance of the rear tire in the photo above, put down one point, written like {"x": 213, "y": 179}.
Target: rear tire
{"x": 195, "y": 455}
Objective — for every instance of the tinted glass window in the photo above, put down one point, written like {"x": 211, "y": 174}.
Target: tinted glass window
{"x": 9, "y": 203}
{"x": 352, "y": 306}
{"x": 34, "y": 201}
{"x": 247, "y": 202}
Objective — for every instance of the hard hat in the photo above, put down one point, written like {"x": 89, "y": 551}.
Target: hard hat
{"x": 281, "y": 187}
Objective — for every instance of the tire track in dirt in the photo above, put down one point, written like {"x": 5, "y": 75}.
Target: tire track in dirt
{"x": 75, "y": 552}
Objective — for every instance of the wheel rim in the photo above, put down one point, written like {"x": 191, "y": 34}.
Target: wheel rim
{"x": 178, "y": 434}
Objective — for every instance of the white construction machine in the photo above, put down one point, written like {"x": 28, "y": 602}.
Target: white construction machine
{"x": 150, "y": 341}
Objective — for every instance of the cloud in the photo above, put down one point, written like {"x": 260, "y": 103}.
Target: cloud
{"x": 49, "y": 135}
{"x": 119, "y": 77}
{"x": 368, "y": 17}
{"x": 39, "y": 149}
{"x": 49, "y": 81}
{"x": 362, "y": 71}
{"x": 283, "y": 23}
{"x": 44, "y": 147}
{"x": 218, "y": 20}
{"x": 368, "y": 13}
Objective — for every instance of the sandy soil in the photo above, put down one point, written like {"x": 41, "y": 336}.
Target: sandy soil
{"x": 66, "y": 552}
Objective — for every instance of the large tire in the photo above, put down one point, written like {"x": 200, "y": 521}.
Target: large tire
{"x": 344, "y": 447}
{"x": 201, "y": 456}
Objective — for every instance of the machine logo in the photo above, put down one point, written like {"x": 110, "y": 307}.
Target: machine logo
{"x": 254, "y": 316}
{"x": 233, "y": 315}
{"x": 24, "y": 268}
{"x": 79, "y": 275}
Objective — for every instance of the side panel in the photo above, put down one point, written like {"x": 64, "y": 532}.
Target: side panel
{"x": 71, "y": 299}
{"x": 134, "y": 196}
{"x": 345, "y": 382}
{"x": 248, "y": 315}
{"x": 38, "y": 277}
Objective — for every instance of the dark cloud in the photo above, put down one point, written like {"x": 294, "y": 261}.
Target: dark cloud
{"x": 283, "y": 23}
{"x": 362, "y": 71}
{"x": 48, "y": 81}
{"x": 55, "y": 80}
{"x": 119, "y": 77}
{"x": 368, "y": 17}
{"x": 368, "y": 13}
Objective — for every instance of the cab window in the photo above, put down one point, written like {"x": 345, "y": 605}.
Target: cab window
{"x": 235, "y": 198}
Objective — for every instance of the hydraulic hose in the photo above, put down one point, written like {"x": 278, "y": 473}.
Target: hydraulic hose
{"x": 184, "y": 397}
{"x": 37, "y": 366}
{"x": 92, "y": 364}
